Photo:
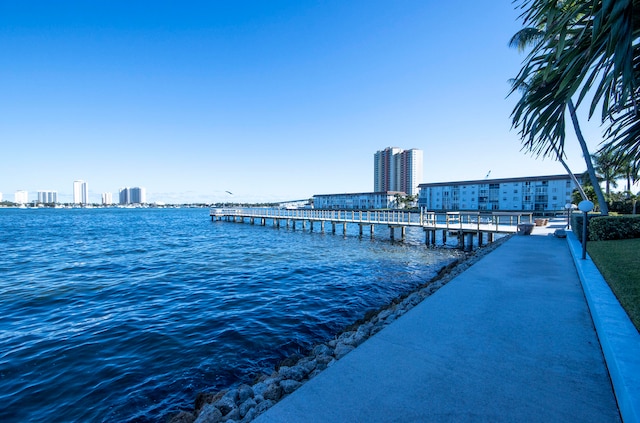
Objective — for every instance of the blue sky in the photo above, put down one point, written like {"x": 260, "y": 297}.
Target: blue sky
{"x": 271, "y": 100}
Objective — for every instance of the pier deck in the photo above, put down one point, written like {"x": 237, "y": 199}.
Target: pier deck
{"x": 463, "y": 223}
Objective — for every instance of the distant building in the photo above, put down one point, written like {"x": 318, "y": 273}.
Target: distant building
{"x": 0, "y": 196}
{"x": 123, "y": 196}
{"x": 135, "y": 195}
{"x": 107, "y": 198}
{"x": 21, "y": 197}
{"x": 138, "y": 195}
{"x": 46, "y": 197}
{"x": 80, "y": 192}
{"x": 385, "y": 172}
{"x": 398, "y": 170}
{"x": 356, "y": 201}
{"x": 537, "y": 193}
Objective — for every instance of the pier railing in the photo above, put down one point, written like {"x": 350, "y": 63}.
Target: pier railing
{"x": 497, "y": 222}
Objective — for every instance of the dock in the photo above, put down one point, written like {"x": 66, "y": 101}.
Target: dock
{"x": 464, "y": 225}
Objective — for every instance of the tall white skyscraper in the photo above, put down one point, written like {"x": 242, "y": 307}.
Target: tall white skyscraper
{"x": 107, "y": 198}
{"x": 0, "y": 196}
{"x": 21, "y": 197}
{"x": 80, "y": 192}
{"x": 398, "y": 170}
{"x": 138, "y": 195}
{"x": 47, "y": 197}
{"x": 123, "y": 196}
{"x": 135, "y": 195}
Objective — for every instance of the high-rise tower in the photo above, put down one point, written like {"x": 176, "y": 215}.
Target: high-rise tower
{"x": 411, "y": 171}
{"x": 135, "y": 195}
{"x": 138, "y": 195}
{"x": 397, "y": 170}
{"x": 385, "y": 169}
{"x": 21, "y": 197}
{"x": 80, "y": 192}
{"x": 47, "y": 197}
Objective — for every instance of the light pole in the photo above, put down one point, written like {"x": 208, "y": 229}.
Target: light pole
{"x": 585, "y": 206}
{"x": 569, "y": 207}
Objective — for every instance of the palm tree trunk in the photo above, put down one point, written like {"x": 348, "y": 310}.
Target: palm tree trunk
{"x": 604, "y": 207}
{"x": 573, "y": 177}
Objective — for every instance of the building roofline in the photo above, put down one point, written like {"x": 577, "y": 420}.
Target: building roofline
{"x": 361, "y": 193}
{"x": 501, "y": 180}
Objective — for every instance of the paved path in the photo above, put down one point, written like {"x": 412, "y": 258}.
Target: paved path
{"x": 510, "y": 339}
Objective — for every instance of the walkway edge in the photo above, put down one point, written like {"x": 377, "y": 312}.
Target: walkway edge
{"x": 618, "y": 337}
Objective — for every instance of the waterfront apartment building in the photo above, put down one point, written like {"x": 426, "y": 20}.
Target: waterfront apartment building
{"x": 135, "y": 195}
{"x": 107, "y": 198}
{"x": 47, "y": 197}
{"x": 397, "y": 170}
{"x": 21, "y": 197}
{"x": 356, "y": 201}
{"x": 80, "y": 192}
{"x": 537, "y": 193}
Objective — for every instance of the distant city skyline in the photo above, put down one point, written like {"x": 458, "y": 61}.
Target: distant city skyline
{"x": 80, "y": 195}
{"x": 271, "y": 101}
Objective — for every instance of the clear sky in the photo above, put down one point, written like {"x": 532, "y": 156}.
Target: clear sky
{"x": 270, "y": 100}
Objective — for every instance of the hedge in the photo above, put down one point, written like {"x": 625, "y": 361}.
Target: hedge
{"x": 604, "y": 228}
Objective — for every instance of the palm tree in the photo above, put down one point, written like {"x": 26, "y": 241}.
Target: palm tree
{"x": 592, "y": 46}
{"x": 608, "y": 169}
{"x": 587, "y": 47}
{"x": 631, "y": 172}
{"x": 521, "y": 40}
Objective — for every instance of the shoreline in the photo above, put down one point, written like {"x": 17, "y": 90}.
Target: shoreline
{"x": 244, "y": 402}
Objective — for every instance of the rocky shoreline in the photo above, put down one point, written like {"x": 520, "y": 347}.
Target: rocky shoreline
{"x": 245, "y": 402}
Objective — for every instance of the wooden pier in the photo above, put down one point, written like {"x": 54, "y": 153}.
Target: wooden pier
{"x": 464, "y": 225}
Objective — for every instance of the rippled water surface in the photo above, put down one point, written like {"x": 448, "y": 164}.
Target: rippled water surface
{"x": 125, "y": 314}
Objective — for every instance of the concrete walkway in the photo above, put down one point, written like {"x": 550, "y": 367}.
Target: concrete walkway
{"x": 510, "y": 339}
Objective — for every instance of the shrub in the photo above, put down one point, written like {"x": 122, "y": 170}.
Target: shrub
{"x": 621, "y": 206}
{"x": 576, "y": 224}
{"x": 614, "y": 227}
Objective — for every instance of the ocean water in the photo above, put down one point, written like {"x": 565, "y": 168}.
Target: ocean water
{"x": 122, "y": 315}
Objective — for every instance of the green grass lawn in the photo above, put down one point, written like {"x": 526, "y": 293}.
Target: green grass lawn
{"x": 619, "y": 263}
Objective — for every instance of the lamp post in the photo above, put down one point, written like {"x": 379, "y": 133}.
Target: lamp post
{"x": 568, "y": 207}
{"x": 585, "y": 206}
